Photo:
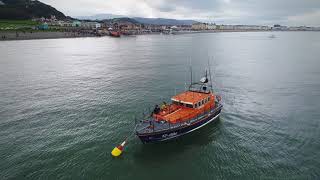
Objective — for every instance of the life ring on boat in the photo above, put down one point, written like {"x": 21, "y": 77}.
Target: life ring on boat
{"x": 218, "y": 98}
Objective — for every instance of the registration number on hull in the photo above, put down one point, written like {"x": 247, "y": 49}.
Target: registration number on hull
{"x": 169, "y": 135}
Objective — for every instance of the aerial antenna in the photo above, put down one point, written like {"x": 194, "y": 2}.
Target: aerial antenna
{"x": 186, "y": 77}
{"x": 191, "y": 78}
{"x": 210, "y": 74}
{"x": 190, "y": 72}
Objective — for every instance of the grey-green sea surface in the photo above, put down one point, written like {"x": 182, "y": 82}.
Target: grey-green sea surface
{"x": 66, "y": 103}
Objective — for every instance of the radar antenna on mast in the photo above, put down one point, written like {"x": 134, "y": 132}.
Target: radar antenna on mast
{"x": 205, "y": 79}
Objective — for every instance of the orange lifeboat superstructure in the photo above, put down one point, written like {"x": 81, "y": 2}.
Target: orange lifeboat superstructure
{"x": 186, "y": 105}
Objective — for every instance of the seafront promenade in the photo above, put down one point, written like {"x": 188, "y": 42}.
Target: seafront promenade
{"x": 29, "y": 35}
{"x": 4, "y": 36}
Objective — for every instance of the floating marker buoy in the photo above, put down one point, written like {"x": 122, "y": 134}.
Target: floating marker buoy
{"x": 118, "y": 150}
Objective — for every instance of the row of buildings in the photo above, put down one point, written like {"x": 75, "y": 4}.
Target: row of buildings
{"x": 121, "y": 25}
{"x": 208, "y": 26}
{"x": 278, "y": 27}
{"x": 126, "y": 24}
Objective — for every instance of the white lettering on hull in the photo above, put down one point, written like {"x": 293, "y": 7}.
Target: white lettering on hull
{"x": 174, "y": 135}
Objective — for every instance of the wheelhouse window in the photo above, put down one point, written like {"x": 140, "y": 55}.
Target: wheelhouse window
{"x": 189, "y": 105}
{"x": 199, "y": 104}
{"x": 175, "y": 102}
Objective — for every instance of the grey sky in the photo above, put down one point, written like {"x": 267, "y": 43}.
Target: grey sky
{"x": 289, "y": 12}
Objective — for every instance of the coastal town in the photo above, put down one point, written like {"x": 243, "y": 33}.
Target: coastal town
{"x": 127, "y": 25}
{"x": 53, "y": 27}
{"x": 27, "y": 19}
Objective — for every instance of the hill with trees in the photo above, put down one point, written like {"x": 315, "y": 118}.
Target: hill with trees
{"x": 27, "y": 9}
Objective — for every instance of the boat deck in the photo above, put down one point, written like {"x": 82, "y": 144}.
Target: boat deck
{"x": 153, "y": 125}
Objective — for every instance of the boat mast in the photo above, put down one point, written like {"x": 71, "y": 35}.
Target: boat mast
{"x": 191, "y": 78}
{"x": 190, "y": 72}
{"x": 210, "y": 76}
{"x": 191, "y": 75}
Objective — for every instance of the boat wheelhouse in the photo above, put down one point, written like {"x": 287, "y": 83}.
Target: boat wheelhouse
{"x": 188, "y": 111}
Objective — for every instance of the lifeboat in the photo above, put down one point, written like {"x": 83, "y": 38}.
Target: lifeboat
{"x": 188, "y": 111}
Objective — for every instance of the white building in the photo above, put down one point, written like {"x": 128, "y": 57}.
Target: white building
{"x": 98, "y": 25}
{"x": 211, "y": 26}
{"x": 252, "y": 28}
{"x": 90, "y": 25}
{"x": 226, "y": 27}
{"x": 199, "y": 26}
{"x": 174, "y": 27}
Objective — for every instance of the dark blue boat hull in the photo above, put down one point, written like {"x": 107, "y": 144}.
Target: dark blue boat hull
{"x": 177, "y": 132}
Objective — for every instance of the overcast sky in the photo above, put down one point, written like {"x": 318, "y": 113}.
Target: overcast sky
{"x": 287, "y": 12}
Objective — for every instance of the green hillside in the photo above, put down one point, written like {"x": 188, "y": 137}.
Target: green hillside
{"x": 27, "y": 9}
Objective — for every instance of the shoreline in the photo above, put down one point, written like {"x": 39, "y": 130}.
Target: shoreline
{"x": 30, "y": 35}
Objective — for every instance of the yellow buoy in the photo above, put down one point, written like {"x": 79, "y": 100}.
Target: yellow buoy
{"x": 118, "y": 150}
